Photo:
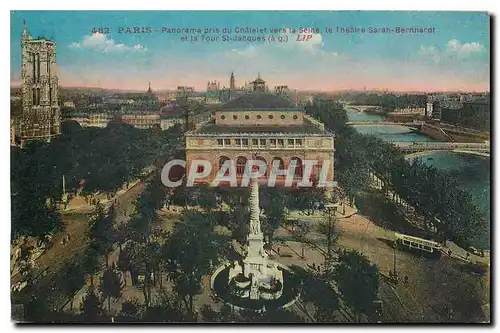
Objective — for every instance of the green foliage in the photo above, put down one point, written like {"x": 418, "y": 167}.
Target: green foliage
{"x": 32, "y": 215}
{"x": 273, "y": 204}
{"x": 144, "y": 231}
{"x": 306, "y": 200}
{"x": 91, "y": 306}
{"x": 167, "y": 307}
{"x": 471, "y": 115}
{"x": 110, "y": 286}
{"x": 434, "y": 194}
{"x": 207, "y": 198}
{"x": 226, "y": 315}
{"x": 357, "y": 280}
{"x": 92, "y": 261}
{"x": 146, "y": 217}
{"x": 131, "y": 311}
{"x": 124, "y": 261}
{"x": 191, "y": 250}
{"x": 103, "y": 159}
{"x": 75, "y": 279}
{"x": 387, "y": 101}
{"x": 329, "y": 112}
{"x": 319, "y": 292}
{"x": 102, "y": 233}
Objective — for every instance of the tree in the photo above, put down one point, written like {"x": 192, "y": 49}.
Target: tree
{"x": 37, "y": 309}
{"x": 307, "y": 200}
{"x": 358, "y": 282}
{"x": 143, "y": 251}
{"x": 110, "y": 286}
{"x": 167, "y": 308}
{"x": 124, "y": 264}
{"x": 74, "y": 281}
{"x": 33, "y": 214}
{"x": 300, "y": 231}
{"x": 191, "y": 251}
{"x": 91, "y": 262}
{"x": 237, "y": 221}
{"x": 274, "y": 210}
{"x": 207, "y": 198}
{"x": 102, "y": 232}
{"x": 131, "y": 310}
{"x": 327, "y": 228}
{"x": 91, "y": 306}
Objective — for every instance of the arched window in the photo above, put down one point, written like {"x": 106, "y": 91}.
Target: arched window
{"x": 247, "y": 117}
{"x": 282, "y": 116}
{"x": 270, "y": 116}
{"x": 235, "y": 117}
{"x": 260, "y": 158}
{"x": 295, "y": 117}
{"x": 316, "y": 171}
{"x": 222, "y": 160}
{"x": 259, "y": 116}
{"x": 281, "y": 165}
{"x": 299, "y": 168}
{"x": 222, "y": 117}
{"x": 281, "y": 162}
{"x": 241, "y": 162}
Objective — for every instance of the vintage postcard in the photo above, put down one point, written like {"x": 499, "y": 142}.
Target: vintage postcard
{"x": 250, "y": 166}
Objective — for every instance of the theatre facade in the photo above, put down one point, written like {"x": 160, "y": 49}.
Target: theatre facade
{"x": 265, "y": 127}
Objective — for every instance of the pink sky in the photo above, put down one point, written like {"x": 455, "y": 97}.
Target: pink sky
{"x": 319, "y": 84}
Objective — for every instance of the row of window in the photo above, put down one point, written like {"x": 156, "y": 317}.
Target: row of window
{"x": 418, "y": 246}
{"x": 235, "y": 117}
{"x": 263, "y": 143}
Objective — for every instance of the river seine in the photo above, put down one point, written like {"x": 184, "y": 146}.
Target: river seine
{"x": 472, "y": 171}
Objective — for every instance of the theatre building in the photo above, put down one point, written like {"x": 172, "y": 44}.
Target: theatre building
{"x": 261, "y": 126}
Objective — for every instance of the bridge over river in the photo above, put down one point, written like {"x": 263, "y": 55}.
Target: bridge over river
{"x": 482, "y": 149}
{"x": 414, "y": 124}
{"x": 361, "y": 108}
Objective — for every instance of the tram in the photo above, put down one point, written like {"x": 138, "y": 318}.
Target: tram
{"x": 417, "y": 245}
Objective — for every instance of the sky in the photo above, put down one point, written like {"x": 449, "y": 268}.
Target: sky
{"x": 455, "y": 56}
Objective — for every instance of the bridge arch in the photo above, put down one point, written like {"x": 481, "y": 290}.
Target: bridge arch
{"x": 458, "y": 151}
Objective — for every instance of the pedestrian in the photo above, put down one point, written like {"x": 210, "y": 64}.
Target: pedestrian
{"x": 449, "y": 252}
{"x": 69, "y": 237}
{"x": 278, "y": 250}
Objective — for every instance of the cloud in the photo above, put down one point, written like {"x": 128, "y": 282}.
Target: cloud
{"x": 247, "y": 52}
{"x": 100, "y": 42}
{"x": 453, "y": 49}
{"x": 455, "y": 46}
{"x": 430, "y": 51}
{"x": 427, "y": 50}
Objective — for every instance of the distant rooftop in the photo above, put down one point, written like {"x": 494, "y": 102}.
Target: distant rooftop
{"x": 305, "y": 129}
{"x": 259, "y": 101}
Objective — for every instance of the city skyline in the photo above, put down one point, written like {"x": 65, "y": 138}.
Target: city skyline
{"x": 455, "y": 58}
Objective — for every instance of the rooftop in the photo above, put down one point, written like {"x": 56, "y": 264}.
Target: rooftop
{"x": 259, "y": 101}
{"x": 305, "y": 129}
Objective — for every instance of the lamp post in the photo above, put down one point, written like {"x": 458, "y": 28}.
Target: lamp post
{"x": 395, "y": 274}
{"x": 329, "y": 207}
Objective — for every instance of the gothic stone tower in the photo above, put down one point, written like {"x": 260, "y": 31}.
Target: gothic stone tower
{"x": 41, "y": 118}
{"x": 232, "y": 84}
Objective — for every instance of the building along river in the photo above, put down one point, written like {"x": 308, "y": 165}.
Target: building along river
{"x": 472, "y": 171}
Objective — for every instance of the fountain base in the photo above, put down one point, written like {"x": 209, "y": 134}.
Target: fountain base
{"x": 273, "y": 292}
